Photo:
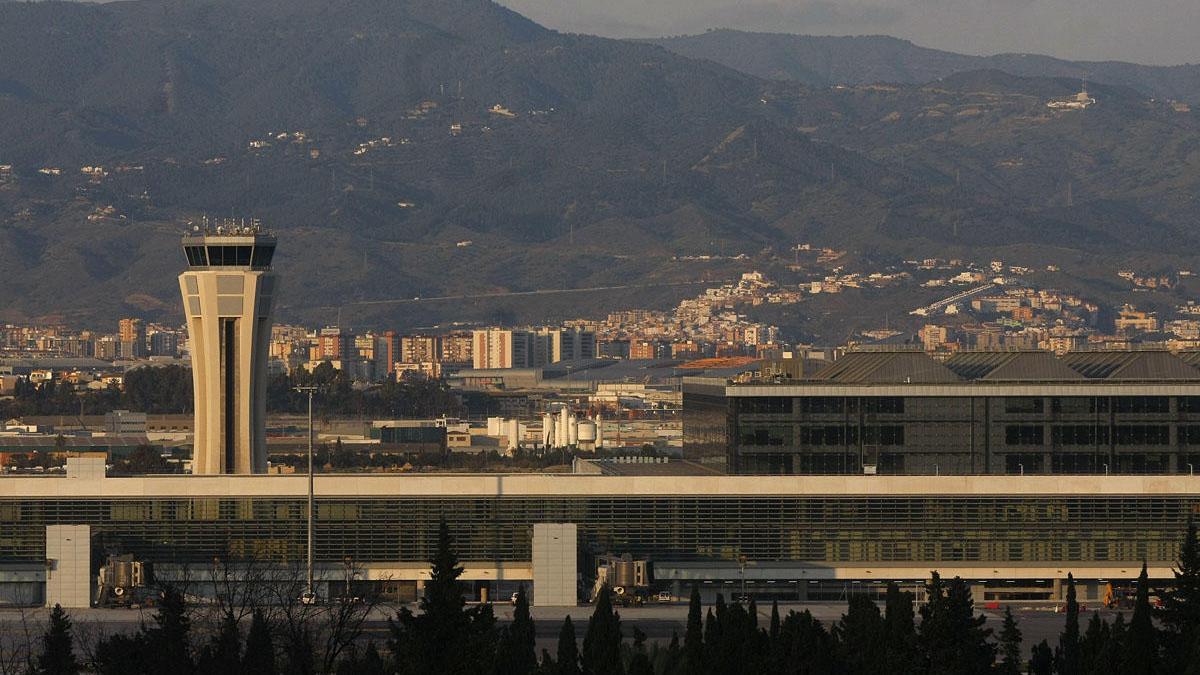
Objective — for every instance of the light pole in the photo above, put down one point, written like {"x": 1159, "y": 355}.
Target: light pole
{"x": 742, "y": 573}
{"x": 309, "y": 596}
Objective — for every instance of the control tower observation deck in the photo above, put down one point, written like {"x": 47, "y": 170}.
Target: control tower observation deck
{"x": 228, "y": 292}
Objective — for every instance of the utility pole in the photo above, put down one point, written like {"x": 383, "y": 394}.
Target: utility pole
{"x": 309, "y": 597}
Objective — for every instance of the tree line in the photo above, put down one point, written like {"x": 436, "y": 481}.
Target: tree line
{"x": 152, "y": 389}
{"x": 942, "y": 636}
{"x": 168, "y": 390}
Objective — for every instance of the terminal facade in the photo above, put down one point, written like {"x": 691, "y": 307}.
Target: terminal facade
{"x": 785, "y": 537}
{"x": 904, "y": 413}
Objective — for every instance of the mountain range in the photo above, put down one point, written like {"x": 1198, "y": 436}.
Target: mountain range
{"x": 823, "y": 61}
{"x": 411, "y": 150}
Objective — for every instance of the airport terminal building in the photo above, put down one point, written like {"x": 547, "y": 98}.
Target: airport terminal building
{"x": 1010, "y": 470}
{"x": 904, "y": 413}
{"x": 785, "y": 537}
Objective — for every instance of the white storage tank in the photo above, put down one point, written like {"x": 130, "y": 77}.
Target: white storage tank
{"x": 587, "y": 431}
{"x": 514, "y": 434}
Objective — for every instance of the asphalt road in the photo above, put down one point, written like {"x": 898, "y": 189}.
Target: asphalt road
{"x": 659, "y": 621}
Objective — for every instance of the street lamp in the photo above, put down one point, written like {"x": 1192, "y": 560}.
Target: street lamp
{"x": 742, "y": 572}
{"x": 310, "y": 595}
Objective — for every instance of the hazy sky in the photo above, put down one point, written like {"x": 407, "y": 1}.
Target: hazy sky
{"x": 1146, "y": 31}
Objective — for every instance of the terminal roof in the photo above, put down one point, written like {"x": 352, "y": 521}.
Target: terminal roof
{"x": 914, "y": 367}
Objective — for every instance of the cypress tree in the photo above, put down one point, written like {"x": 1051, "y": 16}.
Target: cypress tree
{"x": 372, "y": 663}
{"x": 1141, "y": 645}
{"x": 672, "y": 663}
{"x": 639, "y": 663}
{"x": 1118, "y": 637}
{"x": 807, "y": 646}
{"x": 516, "y": 653}
{"x": 223, "y": 654}
{"x": 568, "y": 650}
{"x": 900, "y": 631}
{"x": 1095, "y": 641}
{"x": 860, "y": 637}
{"x": 693, "y": 638}
{"x": 953, "y": 639}
{"x": 1180, "y": 613}
{"x": 1041, "y": 661}
{"x": 260, "y": 648}
{"x": 167, "y": 649}
{"x": 712, "y": 637}
{"x": 1067, "y": 656}
{"x": 602, "y": 641}
{"x": 732, "y": 655}
{"x": 445, "y": 637}
{"x": 1010, "y": 644}
{"x": 58, "y": 646}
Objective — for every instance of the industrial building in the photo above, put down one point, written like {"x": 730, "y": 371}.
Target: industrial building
{"x": 787, "y": 537}
{"x": 228, "y": 290}
{"x": 903, "y": 412}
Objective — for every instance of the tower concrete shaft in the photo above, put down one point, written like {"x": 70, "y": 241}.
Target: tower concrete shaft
{"x": 228, "y": 292}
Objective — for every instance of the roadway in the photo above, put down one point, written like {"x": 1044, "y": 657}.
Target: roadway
{"x": 659, "y": 621}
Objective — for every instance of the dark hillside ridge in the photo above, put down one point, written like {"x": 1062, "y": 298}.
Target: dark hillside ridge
{"x": 825, "y": 61}
{"x": 422, "y": 148}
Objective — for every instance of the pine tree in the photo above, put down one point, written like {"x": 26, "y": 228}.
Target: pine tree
{"x": 775, "y": 646}
{"x": 900, "y": 631}
{"x": 1096, "y": 639}
{"x": 1041, "y": 661}
{"x": 167, "y": 641}
{"x": 259, "y": 658}
{"x": 953, "y": 639}
{"x": 516, "y": 653}
{"x": 693, "y": 638}
{"x": 368, "y": 663}
{"x": 602, "y": 641}
{"x": 568, "y": 650}
{"x": 223, "y": 654}
{"x": 672, "y": 662}
{"x": 712, "y": 638}
{"x": 58, "y": 647}
{"x": 806, "y": 647}
{"x": 1180, "y": 613}
{"x": 1067, "y": 657}
{"x": 1010, "y": 645}
{"x": 860, "y": 637}
{"x": 445, "y": 637}
{"x": 1141, "y": 645}
{"x": 639, "y": 663}
{"x": 1118, "y": 639}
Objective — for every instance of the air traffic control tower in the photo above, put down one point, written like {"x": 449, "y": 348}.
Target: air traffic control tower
{"x": 228, "y": 290}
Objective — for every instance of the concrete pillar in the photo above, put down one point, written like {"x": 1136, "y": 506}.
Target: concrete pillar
{"x": 555, "y": 563}
{"x": 69, "y": 570}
